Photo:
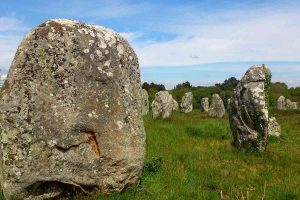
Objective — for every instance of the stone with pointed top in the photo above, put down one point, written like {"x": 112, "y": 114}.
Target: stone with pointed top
{"x": 248, "y": 111}
{"x": 187, "y": 102}
{"x": 216, "y": 108}
{"x": 281, "y": 103}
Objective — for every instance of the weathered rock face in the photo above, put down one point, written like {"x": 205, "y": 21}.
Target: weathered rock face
{"x": 144, "y": 102}
{"x": 70, "y": 117}
{"x": 291, "y": 105}
{"x": 162, "y": 105}
{"x": 248, "y": 114}
{"x": 274, "y": 127}
{"x": 205, "y": 104}
{"x": 175, "y": 105}
{"x": 281, "y": 103}
{"x": 187, "y": 102}
{"x": 216, "y": 108}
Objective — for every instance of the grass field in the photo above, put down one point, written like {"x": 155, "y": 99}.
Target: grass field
{"x": 190, "y": 156}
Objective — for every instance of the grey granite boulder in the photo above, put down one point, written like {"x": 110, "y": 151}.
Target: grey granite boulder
{"x": 274, "y": 127}
{"x": 291, "y": 105}
{"x": 186, "y": 104}
{"x": 69, "y": 113}
{"x": 217, "y": 108}
{"x": 162, "y": 105}
{"x": 248, "y": 113}
{"x": 144, "y": 102}
{"x": 175, "y": 105}
{"x": 281, "y": 103}
{"x": 205, "y": 104}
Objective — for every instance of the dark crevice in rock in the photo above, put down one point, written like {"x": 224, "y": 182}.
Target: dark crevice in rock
{"x": 59, "y": 189}
{"x": 65, "y": 149}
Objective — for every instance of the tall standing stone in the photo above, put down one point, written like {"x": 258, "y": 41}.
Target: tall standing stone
{"x": 217, "y": 108}
{"x": 205, "y": 104}
{"x": 281, "y": 103}
{"x": 144, "y": 102}
{"x": 70, "y": 115}
{"x": 248, "y": 115}
{"x": 187, "y": 102}
{"x": 162, "y": 105}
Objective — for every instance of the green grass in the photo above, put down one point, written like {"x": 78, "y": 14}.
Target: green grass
{"x": 190, "y": 156}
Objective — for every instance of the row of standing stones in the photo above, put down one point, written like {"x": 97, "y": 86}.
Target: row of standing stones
{"x": 71, "y": 112}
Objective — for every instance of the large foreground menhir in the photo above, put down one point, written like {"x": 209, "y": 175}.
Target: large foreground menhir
{"x": 248, "y": 110}
{"x": 70, "y": 116}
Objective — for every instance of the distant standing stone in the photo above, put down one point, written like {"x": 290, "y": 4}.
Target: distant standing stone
{"x": 248, "y": 113}
{"x": 70, "y": 115}
{"x": 291, "y": 105}
{"x": 228, "y": 103}
{"x": 144, "y": 102}
{"x": 281, "y": 103}
{"x": 187, "y": 102}
{"x": 274, "y": 127}
{"x": 162, "y": 105}
{"x": 205, "y": 104}
{"x": 216, "y": 108}
{"x": 175, "y": 105}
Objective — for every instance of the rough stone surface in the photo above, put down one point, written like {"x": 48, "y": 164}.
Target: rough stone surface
{"x": 291, "y": 105}
{"x": 175, "y": 105}
{"x": 228, "y": 103}
{"x": 162, "y": 105}
{"x": 70, "y": 117}
{"x": 248, "y": 114}
{"x": 216, "y": 108}
{"x": 144, "y": 102}
{"x": 205, "y": 104}
{"x": 186, "y": 104}
{"x": 274, "y": 127}
{"x": 281, "y": 103}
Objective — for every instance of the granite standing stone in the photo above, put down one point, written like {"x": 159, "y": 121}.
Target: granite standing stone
{"x": 187, "y": 102}
{"x": 291, "y": 105}
{"x": 248, "y": 114}
{"x": 205, "y": 104}
{"x": 274, "y": 127}
{"x": 70, "y": 115}
{"x": 216, "y": 108}
{"x": 281, "y": 103}
{"x": 162, "y": 105}
{"x": 144, "y": 102}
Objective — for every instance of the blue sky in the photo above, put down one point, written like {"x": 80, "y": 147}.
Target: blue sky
{"x": 201, "y": 41}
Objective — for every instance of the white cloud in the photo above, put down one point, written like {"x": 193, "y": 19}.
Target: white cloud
{"x": 244, "y": 35}
{"x": 11, "y": 24}
{"x": 131, "y": 36}
{"x": 11, "y": 33}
